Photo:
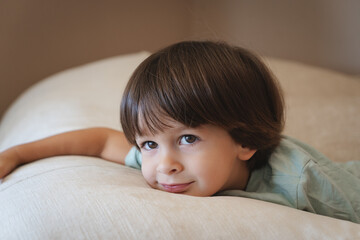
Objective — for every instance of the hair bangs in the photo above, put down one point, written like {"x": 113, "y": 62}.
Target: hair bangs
{"x": 151, "y": 120}
{"x": 152, "y": 102}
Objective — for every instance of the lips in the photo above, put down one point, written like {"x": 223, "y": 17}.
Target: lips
{"x": 175, "y": 188}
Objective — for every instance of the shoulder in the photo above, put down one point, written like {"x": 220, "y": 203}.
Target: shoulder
{"x": 292, "y": 155}
{"x": 279, "y": 179}
{"x": 283, "y": 174}
{"x": 133, "y": 158}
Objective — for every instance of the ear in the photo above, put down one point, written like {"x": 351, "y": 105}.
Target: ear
{"x": 245, "y": 153}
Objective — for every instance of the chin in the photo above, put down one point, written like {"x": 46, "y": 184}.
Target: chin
{"x": 198, "y": 193}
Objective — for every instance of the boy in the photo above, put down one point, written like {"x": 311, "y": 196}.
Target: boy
{"x": 207, "y": 118}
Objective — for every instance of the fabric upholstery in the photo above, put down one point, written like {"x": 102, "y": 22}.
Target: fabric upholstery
{"x": 76, "y": 197}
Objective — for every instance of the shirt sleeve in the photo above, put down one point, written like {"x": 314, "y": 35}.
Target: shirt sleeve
{"x": 330, "y": 190}
{"x": 299, "y": 176}
{"x": 133, "y": 158}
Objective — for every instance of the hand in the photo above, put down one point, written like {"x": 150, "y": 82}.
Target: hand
{"x": 8, "y": 162}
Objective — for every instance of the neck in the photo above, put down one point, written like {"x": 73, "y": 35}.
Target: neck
{"x": 239, "y": 177}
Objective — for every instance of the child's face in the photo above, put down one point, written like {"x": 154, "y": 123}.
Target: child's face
{"x": 194, "y": 161}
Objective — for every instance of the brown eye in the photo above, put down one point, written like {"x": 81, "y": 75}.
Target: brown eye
{"x": 188, "y": 139}
{"x": 150, "y": 145}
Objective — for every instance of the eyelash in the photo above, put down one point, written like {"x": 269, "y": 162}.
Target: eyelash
{"x": 144, "y": 145}
{"x": 189, "y": 135}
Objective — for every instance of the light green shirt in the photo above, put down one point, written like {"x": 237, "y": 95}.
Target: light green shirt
{"x": 298, "y": 176}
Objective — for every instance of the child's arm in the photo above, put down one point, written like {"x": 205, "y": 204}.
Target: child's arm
{"x": 105, "y": 143}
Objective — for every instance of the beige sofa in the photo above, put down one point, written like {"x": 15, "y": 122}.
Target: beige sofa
{"x": 77, "y": 197}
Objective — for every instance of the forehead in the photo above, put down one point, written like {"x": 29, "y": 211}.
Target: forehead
{"x": 156, "y": 122}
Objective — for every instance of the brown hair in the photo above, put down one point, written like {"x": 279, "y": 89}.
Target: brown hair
{"x": 198, "y": 83}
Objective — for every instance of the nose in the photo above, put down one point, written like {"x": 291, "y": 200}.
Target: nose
{"x": 168, "y": 164}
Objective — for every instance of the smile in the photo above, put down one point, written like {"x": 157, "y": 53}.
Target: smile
{"x": 175, "y": 188}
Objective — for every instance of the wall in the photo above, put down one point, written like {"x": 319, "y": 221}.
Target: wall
{"x": 41, "y": 37}
{"x": 320, "y": 32}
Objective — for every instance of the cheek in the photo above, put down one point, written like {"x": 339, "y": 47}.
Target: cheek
{"x": 213, "y": 173}
{"x": 213, "y": 176}
{"x": 149, "y": 173}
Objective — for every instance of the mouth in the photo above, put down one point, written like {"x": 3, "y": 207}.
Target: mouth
{"x": 175, "y": 188}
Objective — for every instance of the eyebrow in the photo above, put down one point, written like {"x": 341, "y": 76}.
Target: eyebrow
{"x": 148, "y": 133}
